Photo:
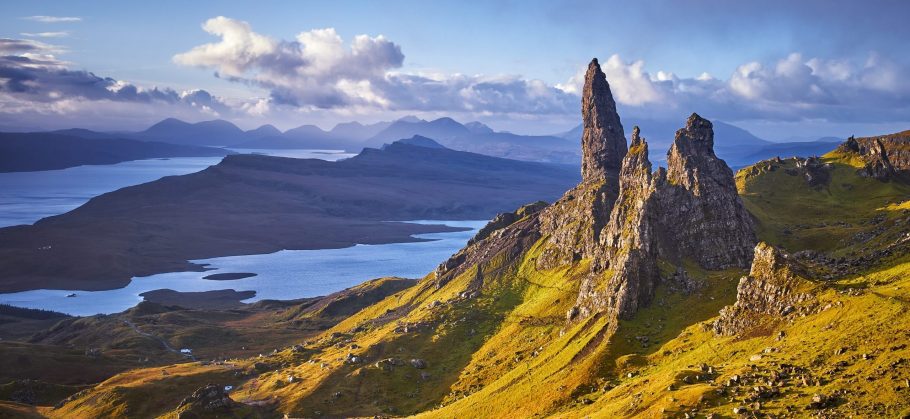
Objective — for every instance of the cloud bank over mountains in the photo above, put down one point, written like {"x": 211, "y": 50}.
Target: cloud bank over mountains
{"x": 319, "y": 73}
{"x": 791, "y": 88}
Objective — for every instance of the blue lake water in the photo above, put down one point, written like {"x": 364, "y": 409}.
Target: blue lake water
{"x": 26, "y": 197}
{"x": 287, "y": 274}
{"x": 330, "y": 155}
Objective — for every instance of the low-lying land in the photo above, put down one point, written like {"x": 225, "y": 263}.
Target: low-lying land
{"x": 29, "y": 152}
{"x": 251, "y": 204}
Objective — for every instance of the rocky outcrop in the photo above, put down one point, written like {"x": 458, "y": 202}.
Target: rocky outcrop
{"x": 506, "y": 219}
{"x": 701, "y": 215}
{"x": 500, "y": 236}
{"x": 814, "y": 170}
{"x": 690, "y": 211}
{"x": 209, "y": 401}
{"x": 816, "y": 173}
{"x": 623, "y": 217}
{"x": 625, "y": 274}
{"x": 884, "y": 157}
{"x": 775, "y": 288}
{"x": 573, "y": 224}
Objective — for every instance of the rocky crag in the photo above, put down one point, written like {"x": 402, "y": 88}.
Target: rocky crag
{"x": 775, "y": 288}
{"x": 625, "y": 218}
{"x": 884, "y": 157}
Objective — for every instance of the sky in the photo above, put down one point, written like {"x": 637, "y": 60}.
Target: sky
{"x": 784, "y": 70}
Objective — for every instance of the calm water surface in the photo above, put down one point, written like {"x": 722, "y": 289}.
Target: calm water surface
{"x": 26, "y": 197}
{"x": 287, "y": 274}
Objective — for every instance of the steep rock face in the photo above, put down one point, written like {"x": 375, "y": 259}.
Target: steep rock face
{"x": 701, "y": 212}
{"x": 603, "y": 141}
{"x": 691, "y": 211}
{"x": 625, "y": 272}
{"x": 573, "y": 223}
{"x": 774, "y": 288}
{"x": 506, "y": 219}
{"x": 623, "y": 217}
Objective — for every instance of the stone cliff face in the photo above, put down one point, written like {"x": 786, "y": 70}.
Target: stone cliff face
{"x": 774, "y": 289}
{"x": 624, "y": 274}
{"x": 702, "y": 216}
{"x": 690, "y": 211}
{"x": 509, "y": 234}
{"x": 885, "y": 157}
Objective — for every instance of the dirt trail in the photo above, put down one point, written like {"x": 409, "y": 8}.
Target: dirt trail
{"x": 163, "y": 342}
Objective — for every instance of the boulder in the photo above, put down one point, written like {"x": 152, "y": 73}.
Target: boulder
{"x": 206, "y": 401}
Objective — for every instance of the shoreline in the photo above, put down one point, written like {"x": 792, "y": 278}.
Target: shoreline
{"x": 281, "y": 275}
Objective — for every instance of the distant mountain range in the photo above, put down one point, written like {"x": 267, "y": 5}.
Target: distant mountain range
{"x": 737, "y": 146}
{"x": 353, "y": 136}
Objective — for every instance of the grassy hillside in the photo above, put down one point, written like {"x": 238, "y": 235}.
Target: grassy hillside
{"x": 494, "y": 340}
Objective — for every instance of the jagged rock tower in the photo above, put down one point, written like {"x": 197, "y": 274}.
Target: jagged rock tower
{"x": 624, "y": 218}
{"x": 603, "y": 142}
{"x": 690, "y": 211}
{"x": 574, "y": 223}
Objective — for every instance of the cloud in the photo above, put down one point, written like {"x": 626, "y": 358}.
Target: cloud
{"x": 62, "y": 34}
{"x": 791, "y": 88}
{"x": 629, "y": 82}
{"x": 25, "y": 46}
{"x": 52, "y": 19}
{"x": 33, "y": 80}
{"x": 318, "y": 70}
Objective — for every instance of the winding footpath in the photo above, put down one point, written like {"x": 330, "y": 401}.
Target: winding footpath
{"x": 163, "y": 342}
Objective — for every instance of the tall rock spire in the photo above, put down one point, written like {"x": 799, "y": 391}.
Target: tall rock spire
{"x": 603, "y": 143}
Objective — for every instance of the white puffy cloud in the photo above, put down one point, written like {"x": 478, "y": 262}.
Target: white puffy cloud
{"x": 790, "y": 88}
{"x": 317, "y": 70}
{"x": 319, "y": 76}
